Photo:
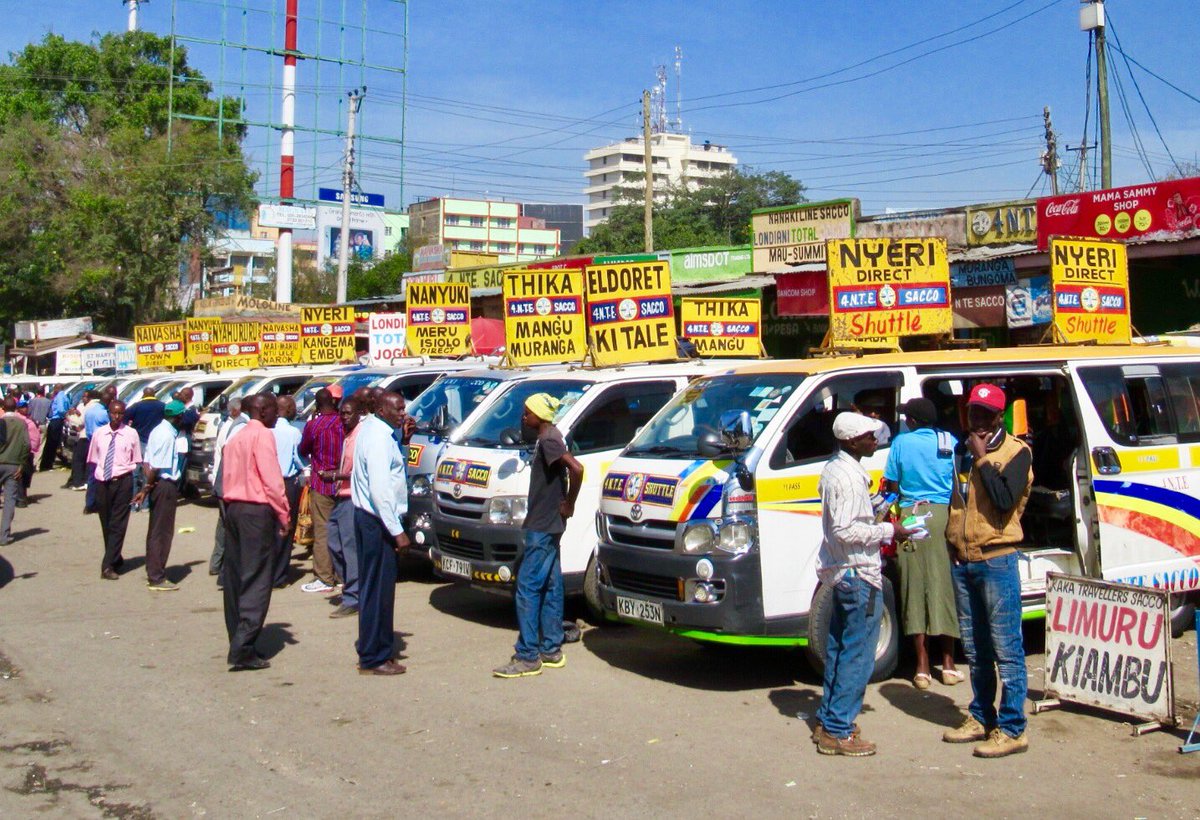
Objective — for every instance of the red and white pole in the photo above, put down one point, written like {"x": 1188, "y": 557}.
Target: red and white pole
{"x": 287, "y": 153}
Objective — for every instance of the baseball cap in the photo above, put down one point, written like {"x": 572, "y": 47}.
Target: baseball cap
{"x": 335, "y": 390}
{"x": 174, "y": 408}
{"x": 919, "y": 410}
{"x": 849, "y": 425}
{"x": 989, "y": 396}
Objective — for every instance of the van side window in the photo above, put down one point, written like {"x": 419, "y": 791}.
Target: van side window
{"x": 612, "y": 422}
{"x": 412, "y": 388}
{"x": 1134, "y": 407}
{"x": 809, "y": 434}
{"x": 1183, "y": 394}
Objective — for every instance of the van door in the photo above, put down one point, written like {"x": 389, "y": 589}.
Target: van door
{"x": 1142, "y": 430}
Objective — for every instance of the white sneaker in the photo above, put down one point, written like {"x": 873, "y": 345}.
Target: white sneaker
{"x": 316, "y": 585}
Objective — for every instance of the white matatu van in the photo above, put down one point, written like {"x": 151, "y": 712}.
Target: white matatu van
{"x": 724, "y": 548}
{"x": 481, "y": 480}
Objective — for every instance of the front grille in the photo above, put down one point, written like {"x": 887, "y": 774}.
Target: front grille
{"x": 643, "y": 583}
{"x": 467, "y": 548}
{"x": 467, "y": 508}
{"x": 658, "y": 535}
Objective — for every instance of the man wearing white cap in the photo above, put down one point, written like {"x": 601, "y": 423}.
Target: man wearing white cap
{"x": 849, "y": 564}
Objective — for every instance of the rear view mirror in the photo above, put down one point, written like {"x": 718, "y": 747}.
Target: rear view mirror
{"x": 737, "y": 430}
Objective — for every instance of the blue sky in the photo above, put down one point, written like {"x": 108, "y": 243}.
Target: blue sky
{"x": 920, "y": 104}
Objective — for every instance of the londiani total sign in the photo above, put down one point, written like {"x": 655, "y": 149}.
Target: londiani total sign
{"x": 385, "y": 337}
{"x": 543, "y": 316}
{"x": 199, "y": 339}
{"x": 439, "y": 319}
{"x": 888, "y": 288}
{"x": 279, "y": 343}
{"x": 795, "y": 234}
{"x": 159, "y": 345}
{"x": 1090, "y": 290}
{"x": 723, "y": 327}
{"x": 1109, "y": 645}
{"x": 327, "y": 335}
{"x": 235, "y": 345}
{"x": 631, "y": 317}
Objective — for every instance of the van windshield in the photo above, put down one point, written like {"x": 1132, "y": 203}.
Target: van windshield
{"x": 500, "y": 424}
{"x": 459, "y": 395}
{"x": 696, "y": 412}
{"x": 237, "y": 390}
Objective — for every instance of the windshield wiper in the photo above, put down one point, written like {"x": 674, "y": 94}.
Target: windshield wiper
{"x": 656, "y": 450}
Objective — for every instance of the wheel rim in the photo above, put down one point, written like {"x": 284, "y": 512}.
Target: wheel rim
{"x": 886, "y": 627}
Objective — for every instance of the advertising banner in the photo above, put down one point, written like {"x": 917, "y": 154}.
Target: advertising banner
{"x": 802, "y": 294}
{"x": 279, "y": 343}
{"x": 983, "y": 274}
{"x": 711, "y": 264}
{"x": 287, "y": 216}
{"x": 66, "y": 362}
{"x": 430, "y": 257}
{"x": 544, "y": 316}
{"x": 1109, "y": 645}
{"x": 199, "y": 339}
{"x": 631, "y": 316}
{"x": 160, "y": 345}
{"x": 385, "y": 337}
{"x": 97, "y": 358}
{"x": 1004, "y": 223}
{"x": 723, "y": 327}
{"x": 235, "y": 345}
{"x": 1090, "y": 290}
{"x": 795, "y": 234}
{"x": 125, "y": 355}
{"x": 327, "y": 335}
{"x": 1170, "y": 207}
{"x": 1027, "y": 303}
{"x": 979, "y": 307}
{"x": 439, "y": 319}
{"x": 888, "y": 287}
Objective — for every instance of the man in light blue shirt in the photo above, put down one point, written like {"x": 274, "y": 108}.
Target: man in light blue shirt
{"x": 287, "y": 447}
{"x": 166, "y": 450}
{"x": 379, "y": 492}
{"x": 94, "y": 417}
{"x": 60, "y": 403}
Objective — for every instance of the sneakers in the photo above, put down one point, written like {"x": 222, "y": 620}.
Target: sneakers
{"x": 970, "y": 731}
{"x": 999, "y": 744}
{"x": 344, "y": 612}
{"x": 556, "y": 660}
{"x": 317, "y": 585}
{"x": 852, "y": 746}
{"x": 517, "y": 668}
{"x": 162, "y": 586}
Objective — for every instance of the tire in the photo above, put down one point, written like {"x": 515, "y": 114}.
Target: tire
{"x": 591, "y": 591}
{"x": 1183, "y": 615}
{"x": 887, "y": 652}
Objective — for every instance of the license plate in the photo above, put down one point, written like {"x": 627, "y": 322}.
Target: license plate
{"x": 648, "y": 611}
{"x": 193, "y": 475}
{"x": 454, "y": 566}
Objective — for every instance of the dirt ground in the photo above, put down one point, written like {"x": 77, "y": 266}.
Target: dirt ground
{"x": 116, "y": 702}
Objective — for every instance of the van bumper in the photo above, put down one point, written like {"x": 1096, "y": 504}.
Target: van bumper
{"x": 197, "y": 469}
{"x": 418, "y": 523}
{"x": 492, "y": 552}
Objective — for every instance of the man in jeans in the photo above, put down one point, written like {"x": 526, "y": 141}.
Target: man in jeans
{"x": 994, "y": 472}
{"x": 554, "y": 481}
{"x": 343, "y": 550}
{"x": 849, "y": 564}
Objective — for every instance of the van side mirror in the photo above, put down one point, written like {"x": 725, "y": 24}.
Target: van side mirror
{"x": 737, "y": 430}
{"x": 745, "y": 478}
{"x": 223, "y": 403}
{"x": 440, "y": 422}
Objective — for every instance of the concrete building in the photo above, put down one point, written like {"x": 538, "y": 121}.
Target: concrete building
{"x": 618, "y": 168}
{"x": 568, "y": 219}
{"x": 482, "y": 226}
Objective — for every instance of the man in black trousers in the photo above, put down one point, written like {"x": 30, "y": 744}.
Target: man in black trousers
{"x": 116, "y": 452}
{"x": 256, "y": 513}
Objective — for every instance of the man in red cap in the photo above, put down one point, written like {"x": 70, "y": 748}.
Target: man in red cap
{"x": 994, "y": 472}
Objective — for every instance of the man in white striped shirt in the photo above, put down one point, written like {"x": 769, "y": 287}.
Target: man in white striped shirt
{"x": 849, "y": 564}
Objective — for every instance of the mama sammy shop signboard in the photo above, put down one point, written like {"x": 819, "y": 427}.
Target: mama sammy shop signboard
{"x": 723, "y": 327}
{"x": 631, "y": 317}
{"x": 1170, "y": 207}
{"x": 888, "y": 288}
{"x": 439, "y": 318}
{"x": 544, "y": 316}
{"x": 1090, "y": 290}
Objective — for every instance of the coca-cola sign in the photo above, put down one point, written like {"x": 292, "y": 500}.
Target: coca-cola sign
{"x": 1170, "y": 208}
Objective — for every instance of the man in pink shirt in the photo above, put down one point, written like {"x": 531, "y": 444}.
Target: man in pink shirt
{"x": 342, "y": 548}
{"x": 256, "y": 515}
{"x": 35, "y": 441}
{"x": 115, "y": 452}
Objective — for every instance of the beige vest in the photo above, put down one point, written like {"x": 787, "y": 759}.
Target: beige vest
{"x": 976, "y": 529}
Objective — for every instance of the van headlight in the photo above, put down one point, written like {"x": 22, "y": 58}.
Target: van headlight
{"x": 737, "y": 536}
{"x": 698, "y": 539}
{"x": 419, "y": 486}
{"x": 506, "y": 510}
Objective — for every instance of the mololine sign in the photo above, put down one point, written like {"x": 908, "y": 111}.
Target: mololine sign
{"x": 1089, "y": 283}
{"x": 439, "y": 318}
{"x": 631, "y": 316}
{"x": 544, "y": 316}
{"x": 327, "y": 335}
{"x": 723, "y": 327}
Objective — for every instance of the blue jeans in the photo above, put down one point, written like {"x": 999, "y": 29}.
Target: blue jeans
{"x": 343, "y": 549}
{"x": 539, "y": 597}
{"x": 988, "y": 594}
{"x": 849, "y": 653}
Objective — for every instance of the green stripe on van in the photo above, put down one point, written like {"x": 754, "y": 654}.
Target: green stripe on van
{"x": 740, "y": 640}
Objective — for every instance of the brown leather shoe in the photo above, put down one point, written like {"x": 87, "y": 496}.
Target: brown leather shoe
{"x": 385, "y": 668}
{"x": 852, "y": 746}
{"x": 109, "y": 574}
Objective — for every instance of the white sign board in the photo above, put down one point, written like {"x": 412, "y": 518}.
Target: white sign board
{"x": 53, "y": 329}
{"x": 1109, "y": 645}
{"x": 126, "y": 356}
{"x": 66, "y": 362}
{"x": 287, "y": 216}
{"x": 385, "y": 337}
{"x": 97, "y": 358}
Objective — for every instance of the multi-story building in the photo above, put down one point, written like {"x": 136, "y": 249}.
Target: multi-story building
{"x": 619, "y": 168}
{"x": 567, "y": 218}
{"x": 481, "y": 226}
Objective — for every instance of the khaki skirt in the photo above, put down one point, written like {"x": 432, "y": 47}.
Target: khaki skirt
{"x": 926, "y": 589}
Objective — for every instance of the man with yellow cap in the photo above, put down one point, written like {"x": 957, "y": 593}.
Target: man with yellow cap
{"x": 554, "y": 481}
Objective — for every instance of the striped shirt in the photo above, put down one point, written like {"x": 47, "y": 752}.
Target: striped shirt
{"x": 851, "y": 536}
{"x": 321, "y": 444}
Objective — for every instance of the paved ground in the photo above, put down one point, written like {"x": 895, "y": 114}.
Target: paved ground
{"x": 116, "y": 702}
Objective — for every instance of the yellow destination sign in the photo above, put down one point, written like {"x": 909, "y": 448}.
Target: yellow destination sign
{"x": 235, "y": 345}
{"x": 160, "y": 345}
{"x": 439, "y": 318}
{"x": 723, "y": 327}
{"x": 631, "y": 317}
{"x": 327, "y": 335}
{"x": 280, "y": 343}
{"x": 1089, "y": 284}
{"x": 199, "y": 339}
{"x": 544, "y": 316}
{"x": 888, "y": 288}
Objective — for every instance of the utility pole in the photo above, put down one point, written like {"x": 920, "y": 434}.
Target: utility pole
{"x": 132, "y": 6}
{"x": 287, "y": 151}
{"x": 648, "y": 159}
{"x": 1050, "y": 155}
{"x": 347, "y": 183}
{"x": 1091, "y": 18}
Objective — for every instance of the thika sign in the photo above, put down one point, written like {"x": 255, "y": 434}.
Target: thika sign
{"x": 543, "y": 316}
{"x": 235, "y": 345}
{"x": 631, "y": 317}
{"x": 327, "y": 335}
{"x": 1090, "y": 290}
{"x": 888, "y": 287}
{"x": 159, "y": 345}
{"x": 439, "y": 319}
{"x": 1109, "y": 645}
{"x": 723, "y": 327}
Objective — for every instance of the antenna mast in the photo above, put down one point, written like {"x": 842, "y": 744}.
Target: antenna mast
{"x": 679, "y": 89}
